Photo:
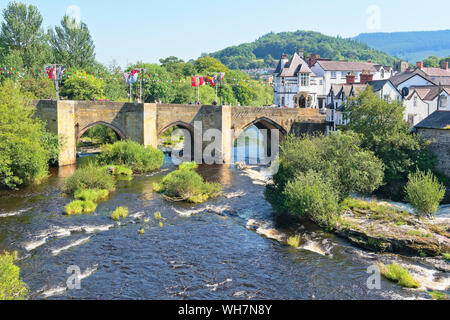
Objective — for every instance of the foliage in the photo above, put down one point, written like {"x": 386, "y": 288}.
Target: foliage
{"x": 38, "y": 88}
{"x": 22, "y": 36}
{"x": 310, "y": 195}
{"x": 91, "y": 195}
{"x": 258, "y": 54}
{"x": 11, "y": 286}
{"x": 72, "y": 44}
{"x": 83, "y": 88}
{"x": 120, "y": 212}
{"x": 102, "y": 135}
{"x": 177, "y": 66}
{"x": 120, "y": 171}
{"x": 424, "y": 192}
{"x": 446, "y": 256}
{"x": 52, "y": 144}
{"x": 432, "y": 61}
{"x": 184, "y": 184}
{"x": 80, "y": 206}
{"x": 436, "y": 295}
{"x": 398, "y": 274}
{"x": 383, "y": 131}
{"x": 24, "y": 156}
{"x": 208, "y": 64}
{"x": 90, "y": 177}
{"x": 138, "y": 158}
{"x": 294, "y": 241}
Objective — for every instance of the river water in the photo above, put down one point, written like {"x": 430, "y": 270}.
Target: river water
{"x": 201, "y": 252}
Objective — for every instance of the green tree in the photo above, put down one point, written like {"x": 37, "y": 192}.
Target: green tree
{"x": 72, "y": 44}
{"x": 21, "y": 35}
{"x": 24, "y": 156}
{"x": 38, "y": 88}
{"x": 205, "y": 65}
{"x": 83, "y": 88}
{"x": 383, "y": 130}
{"x": 424, "y": 192}
{"x": 432, "y": 61}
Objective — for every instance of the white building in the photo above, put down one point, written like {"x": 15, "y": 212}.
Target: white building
{"x": 340, "y": 94}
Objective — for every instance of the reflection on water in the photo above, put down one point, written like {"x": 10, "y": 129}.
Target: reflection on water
{"x": 202, "y": 252}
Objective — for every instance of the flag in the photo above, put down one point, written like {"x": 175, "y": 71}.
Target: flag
{"x": 202, "y": 81}
{"x": 194, "y": 81}
{"x": 126, "y": 77}
{"x": 60, "y": 72}
{"x": 134, "y": 72}
{"x": 50, "y": 72}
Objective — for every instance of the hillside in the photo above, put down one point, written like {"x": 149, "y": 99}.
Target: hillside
{"x": 266, "y": 51}
{"x": 412, "y": 46}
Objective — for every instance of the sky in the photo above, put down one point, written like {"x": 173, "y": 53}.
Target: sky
{"x": 147, "y": 30}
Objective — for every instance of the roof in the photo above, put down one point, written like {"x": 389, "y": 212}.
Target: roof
{"x": 406, "y": 75}
{"x": 347, "y": 66}
{"x": 429, "y": 93}
{"x": 377, "y": 85}
{"x": 436, "y": 72}
{"x": 437, "y": 120}
{"x": 293, "y": 67}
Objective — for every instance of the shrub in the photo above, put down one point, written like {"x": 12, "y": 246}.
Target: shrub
{"x": 79, "y": 207}
{"x": 90, "y": 177}
{"x": 11, "y": 286}
{"x": 120, "y": 212}
{"x": 24, "y": 155}
{"x": 138, "y": 158}
{"x": 436, "y": 295}
{"x": 396, "y": 273}
{"x": 91, "y": 195}
{"x": 446, "y": 256}
{"x": 424, "y": 192}
{"x": 294, "y": 241}
{"x": 184, "y": 184}
{"x": 310, "y": 195}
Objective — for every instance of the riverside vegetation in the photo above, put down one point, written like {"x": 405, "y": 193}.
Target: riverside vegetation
{"x": 184, "y": 184}
{"x": 11, "y": 286}
{"x": 318, "y": 175}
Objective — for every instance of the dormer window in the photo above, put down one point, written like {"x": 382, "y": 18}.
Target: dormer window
{"x": 444, "y": 101}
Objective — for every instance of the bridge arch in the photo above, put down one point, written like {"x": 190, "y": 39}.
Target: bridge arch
{"x": 262, "y": 123}
{"x": 79, "y": 133}
{"x": 181, "y": 124}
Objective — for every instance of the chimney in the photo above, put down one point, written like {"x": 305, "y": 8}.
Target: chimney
{"x": 301, "y": 53}
{"x": 419, "y": 65}
{"x": 366, "y": 76}
{"x": 284, "y": 60}
{"x": 350, "y": 78}
{"x": 444, "y": 65}
{"x": 370, "y": 61}
{"x": 313, "y": 59}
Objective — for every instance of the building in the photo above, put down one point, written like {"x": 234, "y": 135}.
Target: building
{"x": 305, "y": 83}
{"x": 436, "y": 128}
{"x": 437, "y": 75}
{"x": 295, "y": 85}
{"x": 340, "y": 94}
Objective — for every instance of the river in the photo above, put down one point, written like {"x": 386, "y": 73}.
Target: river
{"x": 202, "y": 252}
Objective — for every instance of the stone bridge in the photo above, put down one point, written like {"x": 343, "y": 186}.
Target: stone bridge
{"x": 144, "y": 123}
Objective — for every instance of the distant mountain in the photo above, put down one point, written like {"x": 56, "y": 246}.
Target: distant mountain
{"x": 266, "y": 51}
{"x": 412, "y": 46}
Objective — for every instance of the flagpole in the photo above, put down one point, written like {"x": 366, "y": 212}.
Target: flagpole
{"x": 215, "y": 82}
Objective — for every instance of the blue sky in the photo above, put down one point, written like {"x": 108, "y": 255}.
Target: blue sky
{"x": 149, "y": 30}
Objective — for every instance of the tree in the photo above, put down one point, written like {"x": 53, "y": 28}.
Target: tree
{"x": 383, "y": 130}
{"x": 72, "y": 44}
{"x": 432, "y": 61}
{"x": 208, "y": 64}
{"x": 424, "y": 192}
{"x": 21, "y": 35}
{"x": 24, "y": 156}
{"x": 38, "y": 88}
{"x": 83, "y": 88}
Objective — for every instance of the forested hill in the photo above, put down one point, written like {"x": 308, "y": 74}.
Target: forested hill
{"x": 412, "y": 46}
{"x": 267, "y": 50}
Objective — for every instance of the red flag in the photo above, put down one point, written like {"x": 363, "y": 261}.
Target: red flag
{"x": 194, "y": 81}
{"x": 202, "y": 81}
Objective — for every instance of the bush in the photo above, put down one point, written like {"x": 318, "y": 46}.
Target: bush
{"x": 120, "y": 171}
{"x": 24, "y": 156}
{"x": 294, "y": 241}
{"x": 90, "y": 177}
{"x": 11, "y": 286}
{"x": 310, "y": 195}
{"x": 184, "y": 184}
{"x": 120, "y": 212}
{"x": 396, "y": 273}
{"x": 79, "y": 207}
{"x": 424, "y": 192}
{"x": 91, "y": 195}
{"x": 138, "y": 158}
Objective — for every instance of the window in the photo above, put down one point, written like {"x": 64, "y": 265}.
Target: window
{"x": 382, "y": 74}
{"x": 387, "y": 97}
{"x": 443, "y": 101}
{"x": 304, "y": 79}
{"x": 415, "y": 101}
{"x": 282, "y": 102}
{"x": 333, "y": 75}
